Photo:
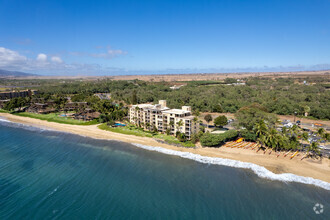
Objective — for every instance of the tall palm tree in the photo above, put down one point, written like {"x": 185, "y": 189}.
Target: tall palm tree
{"x": 148, "y": 125}
{"x": 137, "y": 109}
{"x": 320, "y": 132}
{"x": 261, "y": 128}
{"x": 178, "y": 125}
{"x": 272, "y": 138}
{"x": 294, "y": 130}
{"x": 314, "y": 148}
{"x": 195, "y": 120}
{"x": 304, "y": 136}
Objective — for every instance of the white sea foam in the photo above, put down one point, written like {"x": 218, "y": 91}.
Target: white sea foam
{"x": 259, "y": 170}
{"x": 24, "y": 126}
{"x": 3, "y": 120}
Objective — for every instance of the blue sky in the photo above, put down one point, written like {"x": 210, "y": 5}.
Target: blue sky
{"x": 158, "y": 36}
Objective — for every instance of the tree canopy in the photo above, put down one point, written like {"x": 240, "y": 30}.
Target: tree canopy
{"x": 220, "y": 121}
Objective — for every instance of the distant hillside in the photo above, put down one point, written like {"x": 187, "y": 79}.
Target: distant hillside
{"x": 7, "y": 73}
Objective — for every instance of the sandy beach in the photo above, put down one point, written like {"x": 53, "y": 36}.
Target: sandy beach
{"x": 318, "y": 169}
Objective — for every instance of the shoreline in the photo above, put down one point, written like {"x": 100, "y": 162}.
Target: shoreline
{"x": 316, "y": 169}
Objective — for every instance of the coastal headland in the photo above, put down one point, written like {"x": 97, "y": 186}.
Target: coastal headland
{"x": 315, "y": 168}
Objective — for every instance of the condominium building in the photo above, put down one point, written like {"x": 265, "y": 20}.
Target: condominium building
{"x": 162, "y": 118}
{"x": 16, "y": 94}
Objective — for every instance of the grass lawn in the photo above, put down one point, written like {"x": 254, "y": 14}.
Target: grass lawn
{"x": 173, "y": 140}
{"x": 126, "y": 130}
{"x": 54, "y": 117}
{"x": 130, "y": 130}
{"x": 4, "y": 111}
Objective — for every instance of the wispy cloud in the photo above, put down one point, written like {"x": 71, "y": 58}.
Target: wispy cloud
{"x": 56, "y": 59}
{"x": 42, "y": 64}
{"x": 109, "y": 53}
{"x": 13, "y": 60}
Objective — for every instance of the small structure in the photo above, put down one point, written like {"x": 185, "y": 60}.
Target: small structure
{"x": 72, "y": 106}
{"x": 40, "y": 108}
{"x": 86, "y": 115}
{"x": 176, "y": 87}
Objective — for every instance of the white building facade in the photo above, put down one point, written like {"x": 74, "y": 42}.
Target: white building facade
{"x": 164, "y": 119}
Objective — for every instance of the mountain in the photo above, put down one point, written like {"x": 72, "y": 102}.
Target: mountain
{"x": 7, "y": 73}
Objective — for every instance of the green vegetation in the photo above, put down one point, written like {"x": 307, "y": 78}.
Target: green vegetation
{"x": 248, "y": 116}
{"x": 208, "y": 118}
{"x": 255, "y": 124}
{"x": 282, "y": 96}
{"x": 54, "y": 117}
{"x": 220, "y": 121}
{"x": 15, "y": 103}
{"x": 173, "y": 140}
{"x": 130, "y": 130}
{"x": 133, "y": 130}
{"x": 4, "y": 111}
{"x": 214, "y": 140}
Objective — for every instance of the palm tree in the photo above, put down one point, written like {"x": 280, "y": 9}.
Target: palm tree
{"x": 148, "y": 125}
{"x": 326, "y": 136}
{"x": 195, "y": 122}
{"x": 314, "y": 148}
{"x": 307, "y": 109}
{"x": 271, "y": 138}
{"x": 171, "y": 124}
{"x": 261, "y": 140}
{"x": 305, "y": 136}
{"x": 294, "y": 130}
{"x": 137, "y": 109}
{"x": 320, "y": 132}
{"x": 178, "y": 125}
{"x": 261, "y": 128}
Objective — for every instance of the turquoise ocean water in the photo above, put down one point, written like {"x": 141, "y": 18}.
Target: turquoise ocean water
{"x": 54, "y": 175}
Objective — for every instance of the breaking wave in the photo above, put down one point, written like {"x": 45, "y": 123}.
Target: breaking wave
{"x": 3, "y": 120}
{"x": 259, "y": 170}
{"x": 23, "y": 126}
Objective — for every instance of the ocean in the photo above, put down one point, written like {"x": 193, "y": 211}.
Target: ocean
{"x": 53, "y": 175}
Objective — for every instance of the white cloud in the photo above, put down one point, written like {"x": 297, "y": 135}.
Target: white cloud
{"x": 42, "y": 57}
{"x": 13, "y": 60}
{"x": 56, "y": 59}
{"x": 10, "y": 57}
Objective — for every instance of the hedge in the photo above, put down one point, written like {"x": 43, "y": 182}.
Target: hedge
{"x": 213, "y": 140}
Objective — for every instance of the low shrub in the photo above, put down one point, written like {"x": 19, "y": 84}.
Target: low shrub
{"x": 213, "y": 140}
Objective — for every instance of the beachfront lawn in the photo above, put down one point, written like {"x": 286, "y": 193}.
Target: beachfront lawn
{"x": 173, "y": 140}
{"x": 55, "y": 117}
{"x": 3, "y": 111}
{"x": 126, "y": 130}
{"x": 132, "y": 130}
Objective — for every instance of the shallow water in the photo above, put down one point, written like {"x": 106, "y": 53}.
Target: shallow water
{"x": 53, "y": 175}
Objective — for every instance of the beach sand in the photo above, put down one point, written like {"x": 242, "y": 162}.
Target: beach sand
{"x": 318, "y": 169}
